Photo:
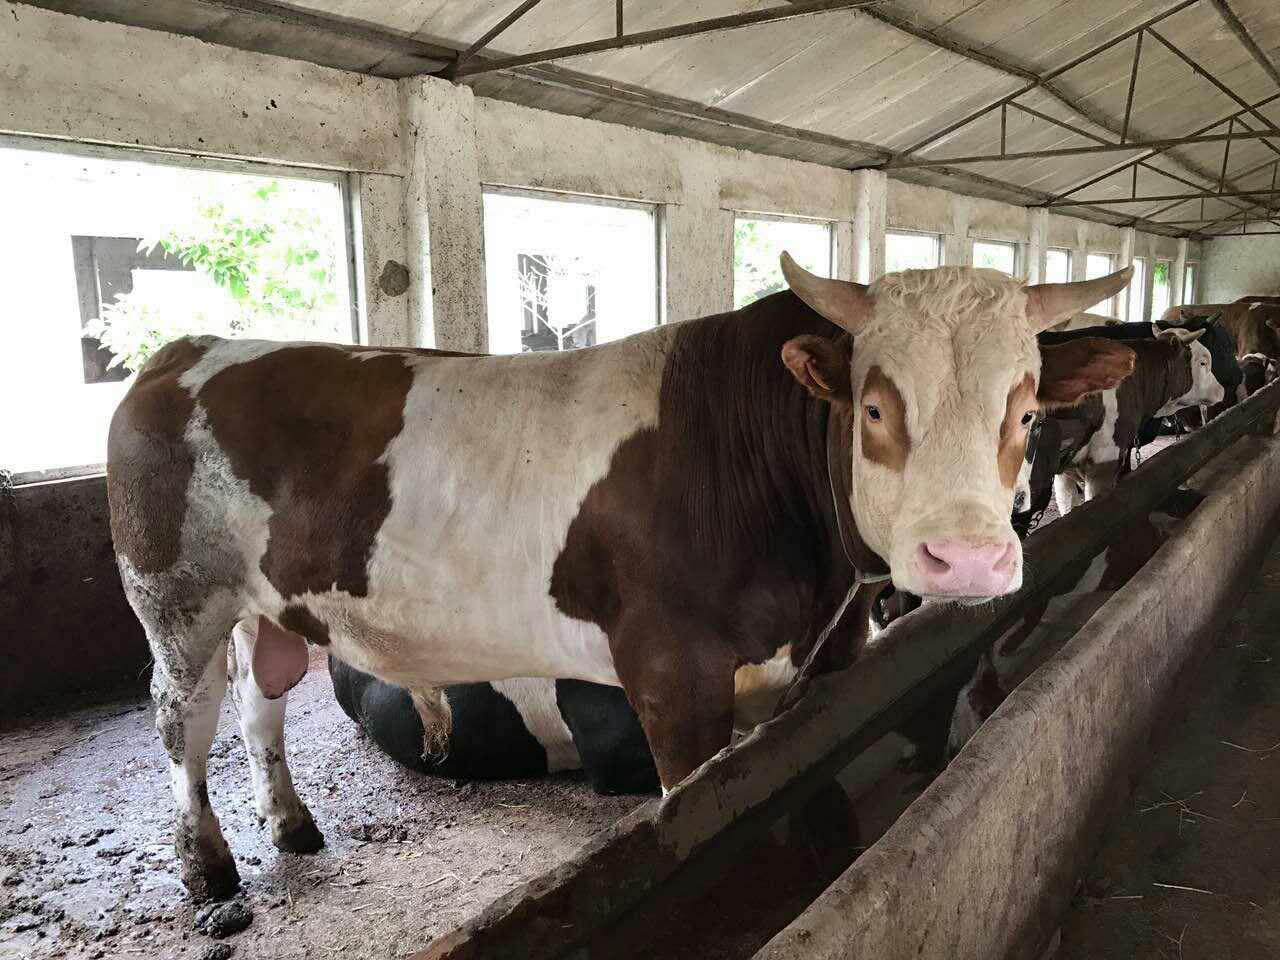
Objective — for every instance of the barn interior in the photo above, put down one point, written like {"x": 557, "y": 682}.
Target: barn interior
{"x": 507, "y": 177}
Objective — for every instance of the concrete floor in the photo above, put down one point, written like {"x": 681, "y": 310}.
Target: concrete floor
{"x": 87, "y": 868}
{"x": 1190, "y": 867}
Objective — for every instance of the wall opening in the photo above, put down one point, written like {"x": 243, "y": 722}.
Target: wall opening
{"x": 758, "y": 243}
{"x": 910, "y": 250}
{"x": 565, "y": 272}
{"x": 110, "y": 254}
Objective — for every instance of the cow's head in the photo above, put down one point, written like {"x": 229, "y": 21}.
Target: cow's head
{"x": 943, "y": 379}
{"x": 1192, "y": 376}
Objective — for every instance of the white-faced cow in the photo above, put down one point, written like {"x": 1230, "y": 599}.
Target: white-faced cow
{"x": 655, "y": 513}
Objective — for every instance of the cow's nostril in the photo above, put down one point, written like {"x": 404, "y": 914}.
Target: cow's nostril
{"x": 929, "y": 562}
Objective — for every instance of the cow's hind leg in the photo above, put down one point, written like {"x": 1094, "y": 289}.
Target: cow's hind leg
{"x": 186, "y": 717}
{"x": 262, "y": 726}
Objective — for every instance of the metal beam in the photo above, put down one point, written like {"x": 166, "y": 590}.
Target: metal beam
{"x": 1041, "y": 80}
{"x": 1162, "y": 199}
{"x": 1155, "y": 153}
{"x": 990, "y": 59}
{"x": 1242, "y": 33}
{"x": 789, "y": 11}
{"x": 492, "y": 33}
{"x": 905, "y": 163}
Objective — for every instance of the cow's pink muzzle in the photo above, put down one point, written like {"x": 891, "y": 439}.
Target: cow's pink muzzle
{"x": 958, "y": 567}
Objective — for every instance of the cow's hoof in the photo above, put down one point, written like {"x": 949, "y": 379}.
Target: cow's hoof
{"x": 299, "y": 836}
{"x": 211, "y": 881}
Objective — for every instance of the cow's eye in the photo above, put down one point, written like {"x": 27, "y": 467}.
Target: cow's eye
{"x": 873, "y": 414}
{"x": 1028, "y": 417}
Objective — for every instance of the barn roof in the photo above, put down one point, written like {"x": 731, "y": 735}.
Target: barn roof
{"x": 900, "y": 84}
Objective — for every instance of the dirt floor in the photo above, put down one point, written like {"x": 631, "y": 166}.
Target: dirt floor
{"x": 87, "y": 868}
{"x": 1190, "y": 868}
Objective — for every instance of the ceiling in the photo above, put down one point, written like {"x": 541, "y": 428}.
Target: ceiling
{"x": 847, "y": 88}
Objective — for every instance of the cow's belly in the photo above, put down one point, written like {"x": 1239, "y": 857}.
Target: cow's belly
{"x": 484, "y": 488}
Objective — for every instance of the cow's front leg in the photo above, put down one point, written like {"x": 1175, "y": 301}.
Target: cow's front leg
{"x": 679, "y": 679}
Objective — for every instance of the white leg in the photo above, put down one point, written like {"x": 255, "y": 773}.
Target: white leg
{"x": 262, "y": 727}
{"x": 187, "y": 723}
{"x": 1066, "y": 493}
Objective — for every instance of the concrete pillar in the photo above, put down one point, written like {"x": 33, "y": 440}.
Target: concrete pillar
{"x": 382, "y": 274}
{"x": 444, "y": 217}
{"x": 1127, "y": 236}
{"x": 1178, "y": 274}
{"x": 871, "y": 208}
{"x": 699, "y": 246}
{"x": 1080, "y": 255}
{"x": 1037, "y": 245}
{"x": 844, "y": 253}
{"x": 956, "y": 249}
{"x": 1149, "y": 281}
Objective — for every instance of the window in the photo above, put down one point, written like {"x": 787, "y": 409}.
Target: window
{"x": 996, "y": 256}
{"x": 1100, "y": 265}
{"x": 1161, "y": 287}
{"x": 110, "y": 254}
{"x": 1190, "y": 278}
{"x": 1136, "y": 295}
{"x": 759, "y": 241}
{"x": 911, "y": 251}
{"x": 567, "y": 272}
{"x": 1057, "y": 266}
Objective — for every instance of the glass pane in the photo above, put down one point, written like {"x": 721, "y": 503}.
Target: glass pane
{"x": 1137, "y": 290}
{"x": 1057, "y": 266}
{"x": 910, "y": 251}
{"x": 1100, "y": 265}
{"x": 564, "y": 274}
{"x": 115, "y": 257}
{"x": 1189, "y": 283}
{"x": 1160, "y": 289}
{"x": 995, "y": 256}
{"x": 757, "y": 245}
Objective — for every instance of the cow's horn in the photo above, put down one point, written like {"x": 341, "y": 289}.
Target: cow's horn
{"x": 844, "y": 303}
{"x": 1051, "y": 303}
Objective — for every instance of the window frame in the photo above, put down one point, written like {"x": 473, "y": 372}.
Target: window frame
{"x": 653, "y": 207}
{"x": 1190, "y": 268}
{"x": 1112, "y": 302}
{"x": 938, "y": 239}
{"x": 832, "y": 261}
{"x": 345, "y": 181}
{"x": 1012, "y": 244}
{"x": 1139, "y": 273}
{"x": 1070, "y": 258}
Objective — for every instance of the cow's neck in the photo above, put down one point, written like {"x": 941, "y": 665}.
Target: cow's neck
{"x": 1156, "y": 379}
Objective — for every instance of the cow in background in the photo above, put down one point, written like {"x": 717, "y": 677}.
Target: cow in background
{"x": 1173, "y": 371}
{"x": 653, "y": 513}
{"x": 1255, "y": 327}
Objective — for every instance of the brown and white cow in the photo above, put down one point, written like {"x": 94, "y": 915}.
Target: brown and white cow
{"x": 1255, "y": 326}
{"x": 1174, "y": 371}
{"x": 657, "y": 513}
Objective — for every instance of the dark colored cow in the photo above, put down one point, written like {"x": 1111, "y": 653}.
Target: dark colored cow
{"x": 508, "y": 729}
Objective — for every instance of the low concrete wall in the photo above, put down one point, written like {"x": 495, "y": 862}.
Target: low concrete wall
{"x": 982, "y": 864}
{"x": 65, "y": 627}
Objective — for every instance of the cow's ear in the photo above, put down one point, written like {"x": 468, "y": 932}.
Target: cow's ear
{"x": 1071, "y": 371}
{"x": 821, "y": 365}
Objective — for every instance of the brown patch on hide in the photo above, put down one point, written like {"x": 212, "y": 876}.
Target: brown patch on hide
{"x": 1069, "y": 372}
{"x": 306, "y": 427}
{"x": 885, "y": 440}
{"x": 1013, "y": 435}
{"x": 148, "y": 463}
